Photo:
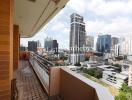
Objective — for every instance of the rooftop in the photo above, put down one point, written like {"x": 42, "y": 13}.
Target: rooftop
{"x": 118, "y": 75}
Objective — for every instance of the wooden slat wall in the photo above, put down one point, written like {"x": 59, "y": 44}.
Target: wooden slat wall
{"x": 6, "y": 48}
{"x": 15, "y": 47}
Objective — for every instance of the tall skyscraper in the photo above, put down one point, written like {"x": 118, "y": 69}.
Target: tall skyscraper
{"x": 22, "y": 48}
{"x": 103, "y": 43}
{"x": 32, "y": 46}
{"x": 114, "y": 41}
{"x": 89, "y": 41}
{"x": 38, "y": 44}
{"x": 77, "y": 38}
{"x": 126, "y": 47}
{"x": 51, "y": 44}
{"x": 48, "y": 43}
{"x": 55, "y": 46}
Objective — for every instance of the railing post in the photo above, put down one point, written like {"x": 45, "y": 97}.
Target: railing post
{"x": 54, "y": 82}
{"x": 16, "y": 46}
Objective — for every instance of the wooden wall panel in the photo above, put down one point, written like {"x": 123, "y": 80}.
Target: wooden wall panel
{"x": 6, "y": 48}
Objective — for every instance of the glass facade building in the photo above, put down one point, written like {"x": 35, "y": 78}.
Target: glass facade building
{"x": 103, "y": 43}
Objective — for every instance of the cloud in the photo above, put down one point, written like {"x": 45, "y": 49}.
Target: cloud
{"x": 78, "y": 5}
{"x": 39, "y": 36}
{"x": 63, "y": 38}
{"x": 120, "y": 26}
{"x": 102, "y": 7}
{"x": 58, "y": 26}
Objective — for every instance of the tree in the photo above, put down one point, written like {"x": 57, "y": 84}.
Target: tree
{"x": 119, "y": 58}
{"x": 125, "y": 88}
{"x": 93, "y": 72}
{"x": 77, "y": 64}
{"x": 125, "y": 93}
{"x": 86, "y": 58}
{"x": 121, "y": 96}
{"x": 117, "y": 66}
{"x": 63, "y": 58}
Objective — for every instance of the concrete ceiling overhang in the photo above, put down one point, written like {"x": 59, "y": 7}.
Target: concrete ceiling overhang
{"x": 32, "y": 15}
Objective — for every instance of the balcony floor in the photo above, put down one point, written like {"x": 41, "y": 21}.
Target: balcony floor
{"x": 27, "y": 83}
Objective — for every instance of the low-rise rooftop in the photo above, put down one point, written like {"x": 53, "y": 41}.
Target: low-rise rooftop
{"x": 118, "y": 75}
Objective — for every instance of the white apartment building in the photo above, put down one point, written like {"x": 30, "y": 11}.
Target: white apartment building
{"x": 127, "y": 70}
{"x": 117, "y": 49}
{"x": 113, "y": 78}
{"x": 124, "y": 47}
{"x": 130, "y": 76}
{"x": 89, "y": 41}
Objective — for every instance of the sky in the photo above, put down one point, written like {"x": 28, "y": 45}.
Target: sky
{"x": 100, "y": 16}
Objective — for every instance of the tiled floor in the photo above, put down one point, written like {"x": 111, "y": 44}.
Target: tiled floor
{"x": 27, "y": 83}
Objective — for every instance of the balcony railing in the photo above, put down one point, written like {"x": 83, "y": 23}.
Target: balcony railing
{"x": 41, "y": 68}
{"x": 66, "y": 84}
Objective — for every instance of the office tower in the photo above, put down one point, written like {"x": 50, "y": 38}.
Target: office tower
{"x": 103, "y": 43}
{"x": 22, "y": 48}
{"x": 32, "y": 46}
{"x": 55, "y": 46}
{"x": 48, "y": 44}
{"x": 89, "y": 41}
{"x": 38, "y": 44}
{"x": 77, "y": 38}
{"x": 117, "y": 49}
{"x": 114, "y": 41}
{"x": 51, "y": 45}
{"x": 126, "y": 47}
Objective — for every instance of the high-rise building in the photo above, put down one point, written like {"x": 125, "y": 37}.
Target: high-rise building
{"x": 114, "y": 41}
{"x": 51, "y": 45}
{"x": 121, "y": 47}
{"x": 103, "y": 43}
{"x": 77, "y": 38}
{"x": 48, "y": 43}
{"x": 32, "y": 46}
{"x": 126, "y": 47}
{"x": 22, "y": 48}
{"x": 38, "y": 44}
{"x": 117, "y": 48}
{"x": 89, "y": 41}
{"x": 55, "y": 46}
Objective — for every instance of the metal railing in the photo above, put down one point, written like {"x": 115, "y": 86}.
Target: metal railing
{"x": 41, "y": 68}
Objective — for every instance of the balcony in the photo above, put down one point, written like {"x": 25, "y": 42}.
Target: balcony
{"x": 27, "y": 83}
{"x": 34, "y": 77}
{"x": 38, "y": 79}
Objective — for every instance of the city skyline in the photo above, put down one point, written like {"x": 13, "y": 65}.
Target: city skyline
{"x": 115, "y": 21}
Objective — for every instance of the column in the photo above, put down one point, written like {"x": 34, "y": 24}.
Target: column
{"x": 16, "y": 45}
